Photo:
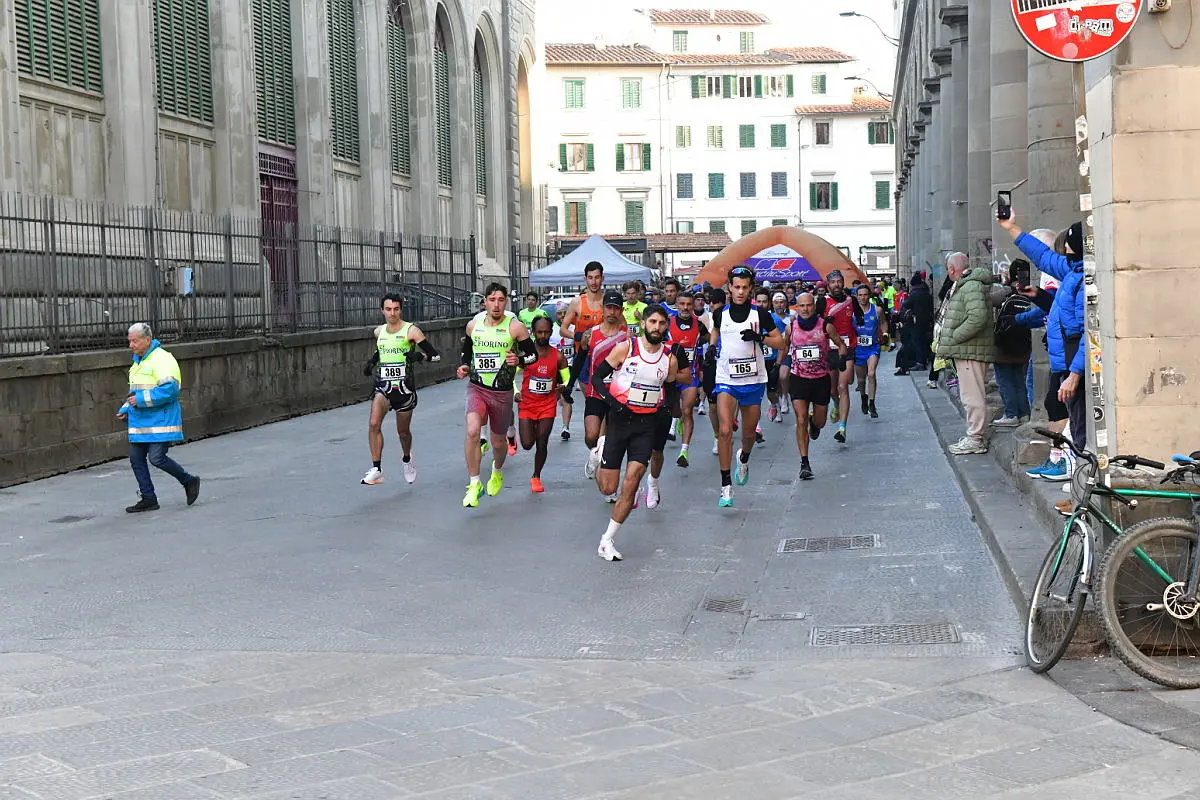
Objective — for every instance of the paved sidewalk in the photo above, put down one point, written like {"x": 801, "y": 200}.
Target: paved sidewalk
{"x": 297, "y": 635}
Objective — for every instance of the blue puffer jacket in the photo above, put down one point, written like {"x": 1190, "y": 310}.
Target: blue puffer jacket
{"x": 154, "y": 383}
{"x": 1066, "y": 315}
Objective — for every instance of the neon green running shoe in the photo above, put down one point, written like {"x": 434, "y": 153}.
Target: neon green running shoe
{"x": 495, "y": 483}
{"x": 471, "y": 498}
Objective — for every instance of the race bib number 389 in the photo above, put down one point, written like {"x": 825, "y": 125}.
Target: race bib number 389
{"x": 392, "y": 372}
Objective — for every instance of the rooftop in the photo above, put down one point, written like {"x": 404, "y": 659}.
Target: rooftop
{"x": 611, "y": 54}
{"x": 636, "y": 54}
{"x": 668, "y": 242}
{"x": 811, "y": 55}
{"x": 860, "y": 104}
{"x": 705, "y": 16}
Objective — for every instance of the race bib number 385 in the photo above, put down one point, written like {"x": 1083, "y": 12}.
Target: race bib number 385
{"x": 487, "y": 363}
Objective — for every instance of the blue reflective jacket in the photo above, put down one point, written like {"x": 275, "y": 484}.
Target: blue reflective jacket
{"x": 1066, "y": 315}
{"x": 154, "y": 382}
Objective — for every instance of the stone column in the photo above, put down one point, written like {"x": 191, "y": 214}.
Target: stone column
{"x": 943, "y": 120}
{"x": 1010, "y": 165}
{"x": 374, "y": 114}
{"x": 314, "y": 157}
{"x": 10, "y": 109}
{"x": 1053, "y": 168}
{"x": 235, "y": 122}
{"x": 131, "y": 114}
{"x": 979, "y": 136}
{"x": 955, "y": 18}
{"x": 931, "y": 196}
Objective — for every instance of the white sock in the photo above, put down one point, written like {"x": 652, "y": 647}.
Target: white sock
{"x": 1056, "y": 455}
{"x": 512, "y": 432}
{"x": 683, "y": 448}
{"x": 599, "y": 448}
{"x": 652, "y": 482}
{"x": 611, "y": 533}
{"x": 474, "y": 480}
{"x": 566, "y": 426}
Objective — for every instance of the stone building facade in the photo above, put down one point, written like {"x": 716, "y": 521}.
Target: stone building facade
{"x": 977, "y": 111}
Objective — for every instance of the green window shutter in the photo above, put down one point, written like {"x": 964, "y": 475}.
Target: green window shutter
{"x": 681, "y": 136}
{"x": 635, "y": 217}
{"x": 745, "y": 136}
{"x": 343, "y": 78}
{"x": 870, "y": 133}
{"x": 779, "y": 184}
{"x": 727, "y": 86}
{"x": 480, "y": 120}
{"x": 697, "y": 82}
{"x": 182, "y": 58}
{"x": 716, "y": 226}
{"x": 716, "y": 185}
{"x": 581, "y": 217}
{"x": 620, "y": 157}
{"x": 791, "y": 86}
{"x": 746, "y": 41}
{"x": 573, "y": 91}
{"x": 758, "y": 86}
{"x": 812, "y": 197}
{"x": 397, "y": 52}
{"x": 441, "y": 104}
{"x": 779, "y": 135}
{"x": 591, "y": 158}
{"x": 275, "y": 86}
{"x": 683, "y": 186}
{"x": 646, "y": 156}
{"x": 59, "y": 40}
{"x": 818, "y": 83}
{"x": 833, "y": 204}
{"x": 679, "y": 41}
{"x": 779, "y": 222}
{"x": 562, "y": 157}
{"x": 749, "y": 226}
{"x": 883, "y": 194}
{"x": 891, "y": 134}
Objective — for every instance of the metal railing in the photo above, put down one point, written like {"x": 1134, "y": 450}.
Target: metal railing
{"x": 74, "y": 275}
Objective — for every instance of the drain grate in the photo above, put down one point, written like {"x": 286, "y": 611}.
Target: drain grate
{"x": 783, "y": 616}
{"x": 826, "y": 543}
{"x": 68, "y": 519}
{"x": 779, "y": 481}
{"x": 725, "y": 605}
{"x": 938, "y": 633}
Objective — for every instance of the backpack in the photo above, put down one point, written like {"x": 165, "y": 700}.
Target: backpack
{"x": 1012, "y": 339}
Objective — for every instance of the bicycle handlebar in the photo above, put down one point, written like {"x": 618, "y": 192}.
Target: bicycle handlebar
{"x": 1130, "y": 461}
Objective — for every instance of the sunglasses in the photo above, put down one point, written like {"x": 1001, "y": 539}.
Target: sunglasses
{"x": 741, "y": 272}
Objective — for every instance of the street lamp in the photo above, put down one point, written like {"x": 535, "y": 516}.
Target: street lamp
{"x": 892, "y": 40}
{"x": 868, "y": 81}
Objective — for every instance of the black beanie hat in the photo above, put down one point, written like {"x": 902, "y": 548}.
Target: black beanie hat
{"x": 1075, "y": 238}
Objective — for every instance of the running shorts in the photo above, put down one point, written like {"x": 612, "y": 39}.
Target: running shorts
{"x": 495, "y": 404}
{"x": 400, "y": 402}
{"x": 751, "y": 395}
{"x": 861, "y": 355}
{"x": 815, "y": 391}
{"x": 630, "y": 438}
{"x": 537, "y": 407}
{"x": 851, "y": 358}
{"x": 595, "y": 407}
{"x": 665, "y": 425}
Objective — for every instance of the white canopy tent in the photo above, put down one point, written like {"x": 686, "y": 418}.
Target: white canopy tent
{"x": 568, "y": 271}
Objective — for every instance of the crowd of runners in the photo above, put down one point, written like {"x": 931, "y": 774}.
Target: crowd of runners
{"x": 647, "y": 369}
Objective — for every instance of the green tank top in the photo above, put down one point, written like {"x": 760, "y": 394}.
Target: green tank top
{"x": 631, "y": 314}
{"x": 393, "y": 354}
{"x": 489, "y": 344}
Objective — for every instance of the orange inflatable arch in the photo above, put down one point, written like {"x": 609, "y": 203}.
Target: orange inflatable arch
{"x": 823, "y": 256}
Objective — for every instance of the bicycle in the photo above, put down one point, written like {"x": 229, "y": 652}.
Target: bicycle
{"x": 1143, "y": 609}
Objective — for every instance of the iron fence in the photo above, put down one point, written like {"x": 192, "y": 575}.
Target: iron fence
{"x": 523, "y": 259}
{"x": 74, "y": 275}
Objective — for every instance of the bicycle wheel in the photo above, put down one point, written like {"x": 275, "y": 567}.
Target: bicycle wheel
{"x": 1057, "y": 600}
{"x": 1139, "y": 589}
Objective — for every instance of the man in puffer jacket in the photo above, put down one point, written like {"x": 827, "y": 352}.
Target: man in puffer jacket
{"x": 1064, "y": 322}
{"x": 965, "y": 336}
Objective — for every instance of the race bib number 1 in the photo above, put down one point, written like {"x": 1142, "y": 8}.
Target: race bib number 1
{"x": 395, "y": 373}
{"x": 644, "y": 396}
{"x": 487, "y": 363}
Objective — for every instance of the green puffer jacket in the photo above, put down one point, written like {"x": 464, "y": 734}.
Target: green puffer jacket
{"x": 966, "y": 332}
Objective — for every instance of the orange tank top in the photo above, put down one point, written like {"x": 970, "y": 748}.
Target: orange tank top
{"x": 587, "y": 317}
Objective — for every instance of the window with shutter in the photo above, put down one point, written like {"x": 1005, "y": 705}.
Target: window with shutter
{"x": 397, "y": 47}
{"x": 879, "y": 133}
{"x": 758, "y": 85}
{"x": 633, "y": 157}
{"x": 779, "y": 184}
{"x": 274, "y": 86}
{"x": 822, "y": 196}
{"x": 779, "y": 135}
{"x": 819, "y": 83}
{"x": 749, "y": 226}
{"x": 779, "y": 221}
{"x": 576, "y": 156}
{"x": 683, "y": 136}
{"x": 634, "y": 212}
{"x": 727, "y": 86}
{"x": 679, "y": 41}
{"x": 745, "y": 136}
{"x": 716, "y": 226}
{"x": 716, "y": 137}
{"x": 713, "y": 86}
{"x": 745, "y": 84}
{"x": 573, "y": 92}
{"x": 575, "y": 218}
{"x": 631, "y": 92}
{"x": 343, "y": 78}
{"x": 883, "y": 195}
{"x": 480, "y": 119}
{"x": 716, "y": 185}
{"x": 441, "y": 107}
{"x": 699, "y": 86}
{"x": 749, "y": 184}
{"x": 59, "y": 40}
{"x": 552, "y": 219}
{"x": 685, "y": 226}
{"x": 183, "y": 58}
{"x": 822, "y": 132}
{"x": 746, "y": 41}
{"x": 683, "y": 186}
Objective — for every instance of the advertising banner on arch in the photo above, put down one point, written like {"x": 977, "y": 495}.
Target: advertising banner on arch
{"x": 781, "y": 263}
{"x": 1075, "y": 30}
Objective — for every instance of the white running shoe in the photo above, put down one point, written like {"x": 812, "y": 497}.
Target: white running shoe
{"x": 726, "y": 500}
{"x": 652, "y": 496}
{"x": 741, "y": 470}
{"x": 607, "y": 550}
{"x": 589, "y": 469}
{"x": 716, "y": 451}
{"x": 614, "y": 497}
{"x": 785, "y": 407}
{"x": 410, "y": 470}
{"x": 374, "y": 476}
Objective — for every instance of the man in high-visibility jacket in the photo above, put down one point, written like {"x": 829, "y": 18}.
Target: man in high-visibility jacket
{"x": 154, "y": 416}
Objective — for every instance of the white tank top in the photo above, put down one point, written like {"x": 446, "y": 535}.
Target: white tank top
{"x": 638, "y": 385}
{"x": 739, "y": 363}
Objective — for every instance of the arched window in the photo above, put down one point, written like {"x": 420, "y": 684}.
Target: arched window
{"x": 397, "y": 55}
{"x": 441, "y": 100}
{"x": 480, "y": 120}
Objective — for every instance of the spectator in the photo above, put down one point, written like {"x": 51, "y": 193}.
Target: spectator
{"x": 934, "y": 372}
{"x": 916, "y": 319}
{"x": 965, "y": 337}
{"x": 1014, "y": 344}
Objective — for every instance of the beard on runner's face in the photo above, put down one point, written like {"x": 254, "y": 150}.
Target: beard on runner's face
{"x": 655, "y": 337}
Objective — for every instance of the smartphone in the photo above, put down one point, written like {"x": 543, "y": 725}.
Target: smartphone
{"x": 1019, "y": 272}
{"x": 1003, "y": 205}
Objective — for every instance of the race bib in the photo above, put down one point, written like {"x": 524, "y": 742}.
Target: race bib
{"x": 487, "y": 363}
{"x": 567, "y": 348}
{"x": 743, "y": 367}
{"x": 846, "y": 341}
{"x": 866, "y": 341}
{"x": 767, "y": 352}
{"x": 643, "y": 395}
{"x": 809, "y": 353}
{"x": 540, "y": 385}
{"x": 393, "y": 373}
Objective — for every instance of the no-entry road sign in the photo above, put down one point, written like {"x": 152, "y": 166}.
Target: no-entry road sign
{"x": 1075, "y": 30}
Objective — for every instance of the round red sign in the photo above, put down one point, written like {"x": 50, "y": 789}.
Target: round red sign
{"x": 1075, "y": 30}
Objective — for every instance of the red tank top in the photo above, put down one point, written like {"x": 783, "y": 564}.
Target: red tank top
{"x": 599, "y": 346}
{"x": 538, "y": 378}
{"x": 638, "y": 385}
{"x": 842, "y": 316}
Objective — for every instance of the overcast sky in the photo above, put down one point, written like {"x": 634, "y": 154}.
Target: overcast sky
{"x": 814, "y": 22}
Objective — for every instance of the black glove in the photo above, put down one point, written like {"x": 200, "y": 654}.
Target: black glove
{"x": 415, "y": 356}
{"x": 369, "y": 365}
{"x": 751, "y": 335}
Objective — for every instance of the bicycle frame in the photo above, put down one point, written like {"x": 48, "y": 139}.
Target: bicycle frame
{"x": 1107, "y": 491}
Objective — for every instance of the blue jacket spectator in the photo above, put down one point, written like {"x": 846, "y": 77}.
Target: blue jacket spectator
{"x": 1064, "y": 321}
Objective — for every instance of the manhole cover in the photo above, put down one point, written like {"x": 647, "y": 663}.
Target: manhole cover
{"x": 940, "y": 633}
{"x": 725, "y": 605}
{"x": 826, "y": 543}
{"x": 784, "y": 616}
{"x": 68, "y": 519}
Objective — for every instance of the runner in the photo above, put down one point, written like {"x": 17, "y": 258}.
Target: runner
{"x": 809, "y": 335}
{"x": 537, "y": 398}
{"x": 869, "y": 329}
{"x": 783, "y": 314}
{"x": 708, "y": 377}
{"x": 838, "y": 308}
{"x": 672, "y": 402}
{"x": 637, "y": 368}
{"x": 634, "y": 305}
{"x": 566, "y": 346}
{"x": 739, "y": 331}
{"x": 531, "y": 311}
{"x": 690, "y": 333}
{"x": 762, "y": 299}
{"x": 584, "y": 312}
{"x": 490, "y": 363}
{"x": 600, "y": 339}
{"x": 511, "y": 435}
{"x": 671, "y": 291}
{"x": 396, "y": 343}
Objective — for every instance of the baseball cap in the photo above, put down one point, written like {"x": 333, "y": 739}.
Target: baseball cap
{"x": 613, "y": 298}
{"x": 779, "y": 296}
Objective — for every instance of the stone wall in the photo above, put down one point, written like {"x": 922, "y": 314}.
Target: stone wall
{"x": 57, "y": 413}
